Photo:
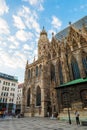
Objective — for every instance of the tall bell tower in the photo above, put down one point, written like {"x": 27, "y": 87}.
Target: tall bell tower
{"x": 43, "y": 43}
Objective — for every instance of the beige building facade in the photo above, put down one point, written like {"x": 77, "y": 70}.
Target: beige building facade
{"x": 60, "y": 60}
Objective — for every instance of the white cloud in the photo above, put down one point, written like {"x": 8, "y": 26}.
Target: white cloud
{"x": 56, "y": 22}
{"x": 13, "y": 40}
{"x": 34, "y": 2}
{"x": 13, "y": 61}
{"x": 37, "y": 3}
{"x": 30, "y": 18}
{"x": 23, "y": 36}
{"x": 3, "y": 7}
{"x": 27, "y": 47}
{"x": 4, "y": 28}
{"x": 18, "y": 22}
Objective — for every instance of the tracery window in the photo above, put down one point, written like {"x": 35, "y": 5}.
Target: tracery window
{"x": 38, "y": 96}
{"x": 40, "y": 69}
{"x": 31, "y": 73}
{"x": 28, "y": 97}
{"x": 83, "y": 94}
{"x": 60, "y": 73}
{"x": 53, "y": 77}
{"x": 28, "y": 74}
{"x": 75, "y": 69}
{"x": 84, "y": 61}
{"x": 36, "y": 70}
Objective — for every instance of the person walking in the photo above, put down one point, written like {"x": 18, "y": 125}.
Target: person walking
{"x": 77, "y": 117}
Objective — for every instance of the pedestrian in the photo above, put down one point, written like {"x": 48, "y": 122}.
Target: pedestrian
{"x": 77, "y": 117}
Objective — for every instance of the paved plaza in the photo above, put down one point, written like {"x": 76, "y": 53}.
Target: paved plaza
{"x": 37, "y": 124}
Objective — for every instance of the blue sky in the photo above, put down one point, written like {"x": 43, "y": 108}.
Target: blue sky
{"x": 21, "y": 22}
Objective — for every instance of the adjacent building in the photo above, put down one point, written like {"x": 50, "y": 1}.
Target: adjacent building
{"x": 19, "y": 98}
{"x": 8, "y": 93}
{"x": 61, "y": 60}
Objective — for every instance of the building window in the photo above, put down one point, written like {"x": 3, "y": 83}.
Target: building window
{"x": 84, "y": 61}
{"x": 60, "y": 73}
{"x": 38, "y": 96}
{"x": 53, "y": 77}
{"x": 75, "y": 69}
{"x": 28, "y": 74}
{"x": 28, "y": 97}
{"x": 40, "y": 69}
{"x": 36, "y": 70}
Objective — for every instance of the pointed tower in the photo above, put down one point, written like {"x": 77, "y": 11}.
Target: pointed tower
{"x": 43, "y": 43}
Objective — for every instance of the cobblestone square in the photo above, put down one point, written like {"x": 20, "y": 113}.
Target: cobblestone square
{"x": 37, "y": 124}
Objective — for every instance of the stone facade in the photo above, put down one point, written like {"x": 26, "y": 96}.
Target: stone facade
{"x": 55, "y": 65}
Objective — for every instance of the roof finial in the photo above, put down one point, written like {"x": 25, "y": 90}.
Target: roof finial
{"x": 34, "y": 59}
{"x": 69, "y": 22}
{"x": 43, "y": 27}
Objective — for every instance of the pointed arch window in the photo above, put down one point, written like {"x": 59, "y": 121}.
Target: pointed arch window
{"x": 60, "y": 73}
{"x": 53, "y": 77}
{"x": 40, "y": 69}
{"x": 36, "y": 70}
{"x": 29, "y": 74}
{"x": 38, "y": 96}
{"x": 84, "y": 61}
{"x": 75, "y": 69}
{"x": 28, "y": 97}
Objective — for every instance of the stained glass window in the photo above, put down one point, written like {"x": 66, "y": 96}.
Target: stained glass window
{"x": 60, "y": 73}
{"x": 38, "y": 96}
{"x": 84, "y": 61}
{"x": 29, "y": 74}
{"x": 36, "y": 70}
{"x": 53, "y": 77}
{"x": 75, "y": 69}
{"x": 28, "y": 97}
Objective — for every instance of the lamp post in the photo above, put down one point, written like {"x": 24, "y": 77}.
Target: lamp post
{"x": 69, "y": 115}
{"x": 68, "y": 107}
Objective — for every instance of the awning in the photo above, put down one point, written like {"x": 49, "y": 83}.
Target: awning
{"x": 73, "y": 82}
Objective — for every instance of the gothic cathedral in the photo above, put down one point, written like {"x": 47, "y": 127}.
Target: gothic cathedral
{"x": 61, "y": 60}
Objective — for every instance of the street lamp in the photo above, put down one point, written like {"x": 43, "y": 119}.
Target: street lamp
{"x": 68, "y": 107}
{"x": 69, "y": 115}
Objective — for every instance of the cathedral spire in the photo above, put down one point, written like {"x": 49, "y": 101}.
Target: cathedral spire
{"x": 27, "y": 64}
{"x": 43, "y": 32}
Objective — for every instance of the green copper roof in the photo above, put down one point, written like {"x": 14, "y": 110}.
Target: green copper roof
{"x": 77, "y": 81}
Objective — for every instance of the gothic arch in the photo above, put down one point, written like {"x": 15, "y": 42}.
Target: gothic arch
{"x": 60, "y": 74}
{"x": 29, "y": 73}
{"x": 53, "y": 78}
{"x": 38, "y": 96}
{"x": 40, "y": 69}
{"x": 36, "y": 70}
{"x": 28, "y": 97}
{"x": 74, "y": 68}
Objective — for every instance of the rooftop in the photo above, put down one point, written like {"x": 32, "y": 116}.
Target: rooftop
{"x": 8, "y": 77}
{"x": 74, "y": 82}
{"x": 77, "y": 24}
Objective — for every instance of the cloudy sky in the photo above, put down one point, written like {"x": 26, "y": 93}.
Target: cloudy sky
{"x": 21, "y": 22}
